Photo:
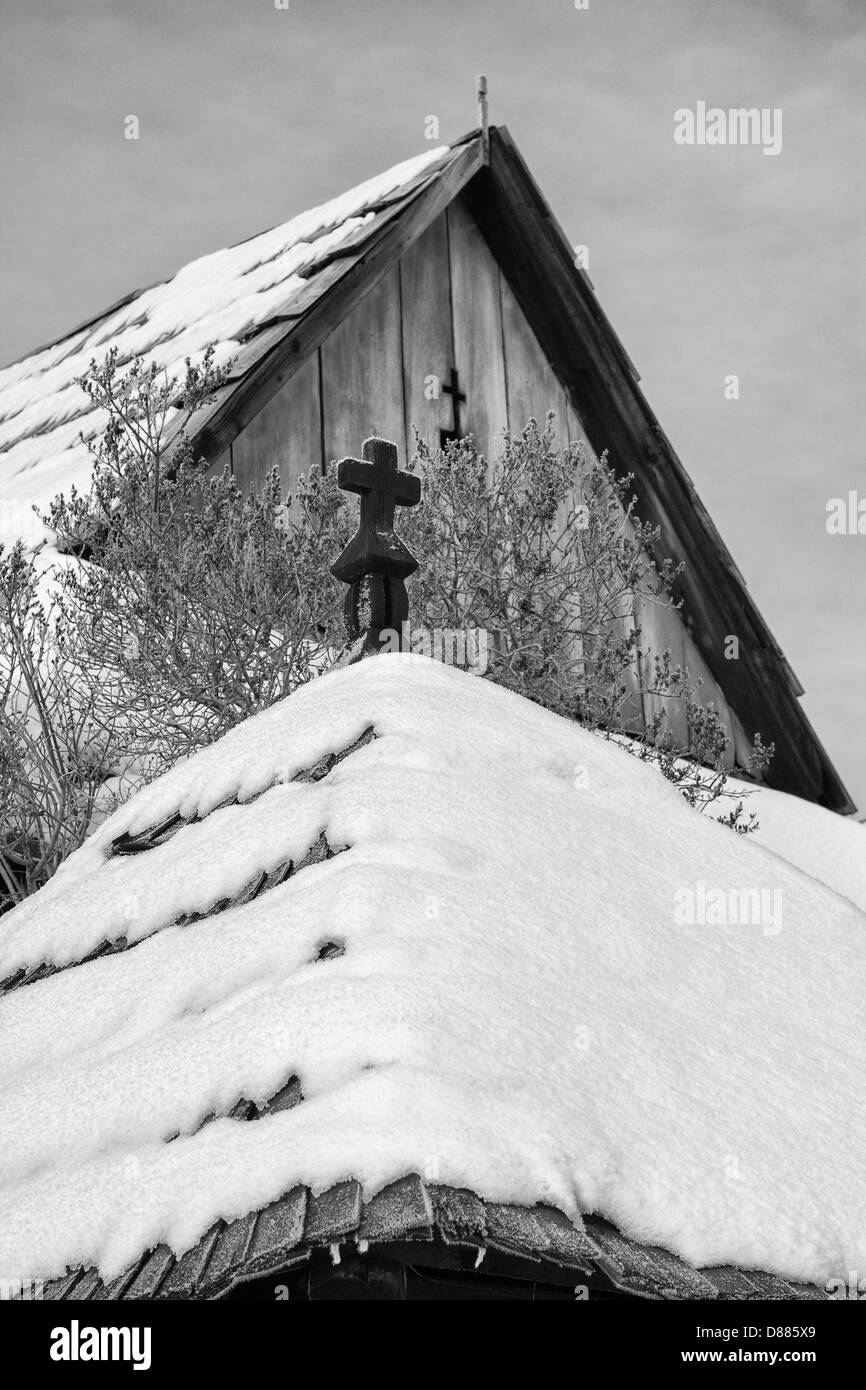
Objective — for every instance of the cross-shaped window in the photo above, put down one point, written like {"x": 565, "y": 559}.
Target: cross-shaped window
{"x": 457, "y": 397}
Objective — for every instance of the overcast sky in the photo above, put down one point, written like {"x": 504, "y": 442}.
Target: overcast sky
{"x": 709, "y": 260}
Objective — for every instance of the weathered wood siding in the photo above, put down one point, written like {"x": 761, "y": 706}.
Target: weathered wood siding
{"x": 661, "y": 630}
{"x": 478, "y": 345}
{"x": 381, "y": 371}
{"x": 428, "y": 335}
{"x": 383, "y": 368}
{"x": 286, "y": 435}
{"x": 362, "y": 373}
{"x": 532, "y": 387}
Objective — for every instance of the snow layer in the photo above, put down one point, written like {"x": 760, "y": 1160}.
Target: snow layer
{"x": 827, "y": 846}
{"x": 221, "y": 299}
{"x": 551, "y": 991}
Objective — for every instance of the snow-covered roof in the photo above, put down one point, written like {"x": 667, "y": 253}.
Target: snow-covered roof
{"x": 822, "y": 844}
{"x": 483, "y": 945}
{"x": 228, "y": 298}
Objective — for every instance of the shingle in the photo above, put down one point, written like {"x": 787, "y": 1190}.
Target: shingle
{"x": 146, "y": 839}
{"x": 731, "y": 1283}
{"x": 459, "y": 1215}
{"x": 286, "y": 1098}
{"x": 86, "y": 1285}
{"x": 771, "y": 1285}
{"x": 326, "y": 763}
{"x": 253, "y": 889}
{"x": 277, "y": 876}
{"x": 36, "y": 973}
{"x": 647, "y": 1269}
{"x": 116, "y": 1288}
{"x": 243, "y": 1109}
{"x": 516, "y": 1229}
{"x": 57, "y": 1289}
{"x": 151, "y": 1275}
{"x": 400, "y": 1212}
{"x": 334, "y": 1215}
{"x": 183, "y": 1280}
{"x": 330, "y": 950}
{"x": 278, "y": 1234}
{"x": 318, "y": 770}
{"x": 569, "y": 1244}
{"x": 105, "y": 948}
{"x": 810, "y": 1292}
{"x": 228, "y": 1255}
{"x": 316, "y": 854}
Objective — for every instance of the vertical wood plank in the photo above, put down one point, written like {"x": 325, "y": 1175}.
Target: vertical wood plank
{"x": 633, "y": 712}
{"x": 742, "y": 744}
{"x": 711, "y": 691}
{"x": 478, "y": 354}
{"x": 219, "y": 464}
{"x": 661, "y": 629}
{"x": 362, "y": 374}
{"x": 285, "y": 435}
{"x": 428, "y": 342}
{"x": 633, "y": 708}
{"x": 577, "y": 431}
{"x": 532, "y": 389}
{"x": 532, "y": 386}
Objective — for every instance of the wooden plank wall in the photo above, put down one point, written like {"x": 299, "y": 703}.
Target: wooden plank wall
{"x": 286, "y": 435}
{"x": 428, "y": 336}
{"x": 446, "y": 303}
{"x": 478, "y": 344}
{"x": 532, "y": 387}
{"x": 739, "y": 748}
{"x": 661, "y": 630}
{"x": 362, "y": 373}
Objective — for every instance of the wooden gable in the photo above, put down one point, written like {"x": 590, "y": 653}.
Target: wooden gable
{"x": 384, "y": 368}
{"x": 472, "y": 273}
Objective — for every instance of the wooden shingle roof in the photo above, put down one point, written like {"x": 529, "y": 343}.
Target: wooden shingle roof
{"x": 314, "y": 1244}
{"x": 168, "y": 1071}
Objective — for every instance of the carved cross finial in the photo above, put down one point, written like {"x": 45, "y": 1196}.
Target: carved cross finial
{"x": 376, "y": 563}
{"x": 481, "y": 99}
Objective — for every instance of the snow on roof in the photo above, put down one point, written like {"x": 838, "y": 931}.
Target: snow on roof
{"x": 526, "y": 960}
{"x": 824, "y": 845}
{"x": 224, "y": 298}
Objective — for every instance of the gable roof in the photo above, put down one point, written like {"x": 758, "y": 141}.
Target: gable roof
{"x": 351, "y": 943}
{"x": 273, "y": 300}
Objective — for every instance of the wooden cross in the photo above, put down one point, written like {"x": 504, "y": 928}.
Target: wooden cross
{"x": 376, "y": 563}
{"x": 376, "y": 549}
{"x": 457, "y": 396}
